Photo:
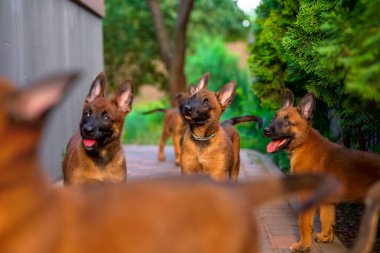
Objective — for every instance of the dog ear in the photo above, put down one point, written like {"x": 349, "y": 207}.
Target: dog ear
{"x": 288, "y": 99}
{"x": 179, "y": 97}
{"x": 32, "y": 103}
{"x": 226, "y": 94}
{"x": 124, "y": 96}
{"x": 191, "y": 89}
{"x": 306, "y": 106}
{"x": 98, "y": 87}
{"x": 202, "y": 84}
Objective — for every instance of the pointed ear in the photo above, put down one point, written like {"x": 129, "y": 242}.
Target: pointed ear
{"x": 192, "y": 89}
{"x": 97, "y": 88}
{"x": 33, "y": 102}
{"x": 288, "y": 99}
{"x": 178, "y": 97}
{"x": 202, "y": 84}
{"x": 124, "y": 96}
{"x": 226, "y": 94}
{"x": 306, "y": 106}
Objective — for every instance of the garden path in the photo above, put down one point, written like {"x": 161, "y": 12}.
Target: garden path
{"x": 277, "y": 220}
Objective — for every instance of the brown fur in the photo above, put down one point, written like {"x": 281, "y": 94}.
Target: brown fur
{"x": 174, "y": 125}
{"x": 310, "y": 152}
{"x": 219, "y": 156}
{"x": 37, "y": 217}
{"x": 105, "y": 162}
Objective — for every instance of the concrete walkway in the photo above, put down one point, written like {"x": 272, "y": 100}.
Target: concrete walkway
{"x": 278, "y": 222}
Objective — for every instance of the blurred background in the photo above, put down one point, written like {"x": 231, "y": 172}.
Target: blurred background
{"x": 330, "y": 48}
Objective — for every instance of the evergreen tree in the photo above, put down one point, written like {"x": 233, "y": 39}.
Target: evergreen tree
{"x": 328, "y": 47}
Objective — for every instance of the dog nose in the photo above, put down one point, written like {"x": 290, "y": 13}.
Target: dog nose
{"x": 267, "y": 131}
{"x": 88, "y": 130}
{"x": 187, "y": 109}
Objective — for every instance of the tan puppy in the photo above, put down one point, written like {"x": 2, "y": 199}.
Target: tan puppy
{"x": 95, "y": 154}
{"x": 174, "y": 125}
{"x": 291, "y": 131}
{"x": 177, "y": 215}
{"x": 209, "y": 147}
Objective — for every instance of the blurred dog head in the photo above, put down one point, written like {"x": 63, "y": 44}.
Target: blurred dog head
{"x": 22, "y": 112}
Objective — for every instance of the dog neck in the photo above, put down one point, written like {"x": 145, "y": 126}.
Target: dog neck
{"x": 204, "y": 132}
{"x": 206, "y": 138}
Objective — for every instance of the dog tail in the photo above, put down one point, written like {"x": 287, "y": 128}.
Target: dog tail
{"x": 320, "y": 187}
{"x": 368, "y": 226}
{"x": 242, "y": 119}
{"x": 155, "y": 110}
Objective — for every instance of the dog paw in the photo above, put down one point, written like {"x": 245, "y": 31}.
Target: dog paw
{"x": 177, "y": 162}
{"x": 324, "y": 238}
{"x": 299, "y": 248}
{"x": 161, "y": 157}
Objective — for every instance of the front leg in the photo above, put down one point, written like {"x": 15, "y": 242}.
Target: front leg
{"x": 165, "y": 135}
{"x": 327, "y": 217}
{"x": 177, "y": 147}
{"x": 305, "y": 225}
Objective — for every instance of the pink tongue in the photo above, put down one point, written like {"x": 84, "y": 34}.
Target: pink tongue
{"x": 274, "y": 145}
{"x": 89, "y": 142}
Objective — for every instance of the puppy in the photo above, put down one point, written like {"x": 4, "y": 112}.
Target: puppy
{"x": 208, "y": 147}
{"x": 291, "y": 130}
{"x": 175, "y": 125}
{"x": 95, "y": 154}
{"x": 37, "y": 217}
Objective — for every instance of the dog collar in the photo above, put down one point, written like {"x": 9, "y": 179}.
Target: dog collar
{"x": 207, "y": 138}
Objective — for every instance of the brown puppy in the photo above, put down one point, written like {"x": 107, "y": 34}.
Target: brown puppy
{"x": 209, "y": 147}
{"x": 95, "y": 154}
{"x": 291, "y": 131}
{"x": 138, "y": 217}
{"x": 175, "y": 125}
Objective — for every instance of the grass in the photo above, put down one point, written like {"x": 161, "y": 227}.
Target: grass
{"x": 144, "y": 129}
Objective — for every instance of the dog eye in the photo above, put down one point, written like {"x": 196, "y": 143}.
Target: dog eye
{"x": 106, "y": 117}
{"x": 88, "y": 114}
{"x": 286, "y": 120}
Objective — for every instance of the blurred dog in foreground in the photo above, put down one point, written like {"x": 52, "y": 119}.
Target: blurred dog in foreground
{"x": 173, "y": 124}
{"x": 95, "y": 154}
{"x": 368, "y": 225}
{"x": 291, "y": 130}
{"x": 135, "y": 217}
{"x": 209, "y": 147}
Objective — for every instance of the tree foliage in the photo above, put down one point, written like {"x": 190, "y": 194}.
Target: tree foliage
{"x": 130, "y": 45}
{"x": 330, "y": 48}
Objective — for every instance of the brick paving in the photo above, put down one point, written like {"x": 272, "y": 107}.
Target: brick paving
{"x": 277, "y": 220}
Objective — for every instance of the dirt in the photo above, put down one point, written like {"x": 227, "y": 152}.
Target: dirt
{"x": 347, "y": 224}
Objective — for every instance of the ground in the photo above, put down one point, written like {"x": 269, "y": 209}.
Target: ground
{"x": 278, "y": 222}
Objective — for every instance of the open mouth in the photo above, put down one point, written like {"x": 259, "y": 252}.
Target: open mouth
{"x": 89, "y": 143}
{"x": 188, "y": 118}
{"x": 278, "y": 144}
